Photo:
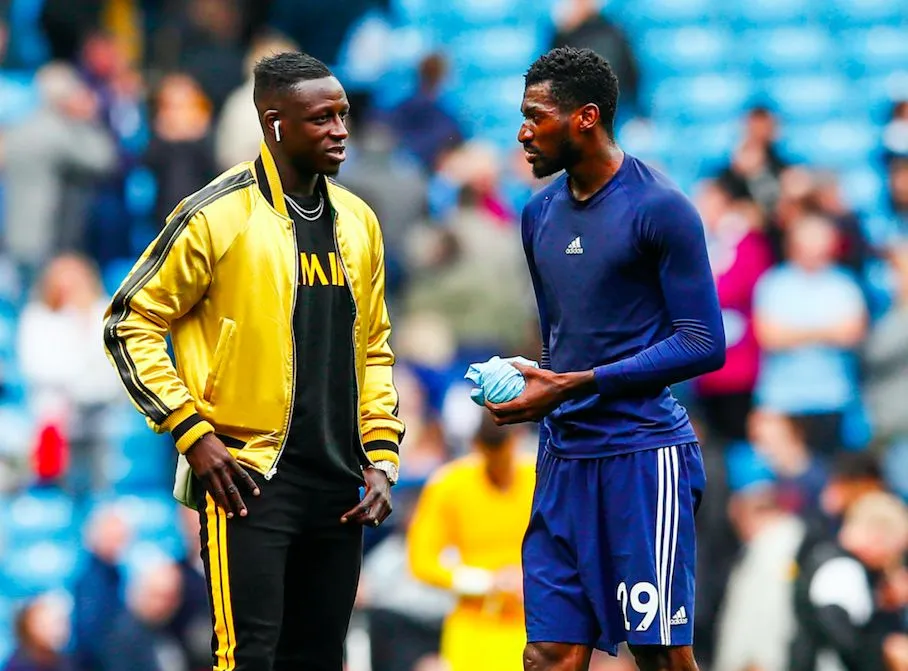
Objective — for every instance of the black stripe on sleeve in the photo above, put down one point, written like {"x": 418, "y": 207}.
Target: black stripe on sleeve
{"x": 150, "y": 403}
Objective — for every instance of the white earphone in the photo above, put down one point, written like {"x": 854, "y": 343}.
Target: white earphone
{"x": 277, "y": 130}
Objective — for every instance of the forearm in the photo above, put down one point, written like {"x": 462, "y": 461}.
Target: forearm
{"x": 772, "y": 336}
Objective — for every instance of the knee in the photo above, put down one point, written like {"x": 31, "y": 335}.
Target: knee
{"x": 664, "y": 658}
{"x": 551, "y": 657}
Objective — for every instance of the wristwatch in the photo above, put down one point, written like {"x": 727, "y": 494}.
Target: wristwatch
{"x": 389, "y": 468}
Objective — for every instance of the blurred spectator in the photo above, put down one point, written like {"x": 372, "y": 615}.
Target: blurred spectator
{"x": 895, "y": 132}
{"x": 404, "y": 614}
{"x": 422, "y": 125}
{"x": 886, "y": 358}
{"x": 98, "y": 590}
{"x": 69, "y": 382}
{"x": 851, "y": 476}
{"x": 583, "y": 25}
{"x": 181, "y": 151}
{"x": 800, "y": 475}
{"x": 809, "y": 317}
{"x": 120, "y": 91}
{"x": 191, "y": 623}
{"x": 424, "y": 450}
{"x": 475, "y": 166}
{"x": 756, "y": 163}
{"x": 53, "y": 160}
{"x": 322, "y": 27}
{"x": 239, "y": 135}
{"x": 839, "y": 617}
{"x": 42, "y": 630}
{"x": 478, "y": 505}
{"x": 886, "y": 374}
{"x": 209, "y": 48}
{"x": 760, "y": 585}
{"x": 854, "y": 248}
{"x": 395, "y": 189}
{"x": 739, "y": 254}
{"x": 66, "y": 23}
{"x": 897, "y": 171}
{"x": 139, "y": 640}
{"x": 457, "y": 264}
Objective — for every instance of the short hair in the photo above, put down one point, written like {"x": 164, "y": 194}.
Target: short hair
{"x": 881, "y": 511}
{"x": 852, "y": 466}
{"x": 281, "y": 72}
{"x": 578, "y": 77}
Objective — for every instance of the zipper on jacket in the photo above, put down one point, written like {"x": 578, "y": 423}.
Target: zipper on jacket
{"x": 340, "y": 262}
{"x": 296, "y": 281}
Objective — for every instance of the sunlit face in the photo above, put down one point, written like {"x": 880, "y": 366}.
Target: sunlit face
{"x": 313, "y": 126}
{"x": 546, "y": 133}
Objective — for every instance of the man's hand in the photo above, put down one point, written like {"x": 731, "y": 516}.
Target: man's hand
{"x": 895, "y": 652}
{"x": 219, "y": 473}
{"x": 508, "y": 581}
{"x": 376, "y": 504}
{"x": 544, "y": 392}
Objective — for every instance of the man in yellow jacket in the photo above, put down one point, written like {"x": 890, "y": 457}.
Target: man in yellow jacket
{"x": 478, "y": 506}
{"x": 270, "y": 283}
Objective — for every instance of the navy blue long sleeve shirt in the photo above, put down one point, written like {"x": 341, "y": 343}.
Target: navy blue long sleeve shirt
{"x": 623, "y": 287}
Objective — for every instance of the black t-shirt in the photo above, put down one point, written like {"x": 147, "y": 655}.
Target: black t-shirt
{"x": 323, "y": 449}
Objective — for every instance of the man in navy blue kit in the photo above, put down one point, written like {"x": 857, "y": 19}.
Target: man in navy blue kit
{"x": 627, "y": 307}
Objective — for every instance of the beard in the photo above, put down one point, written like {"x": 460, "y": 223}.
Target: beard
{"x": 568, "y": 155}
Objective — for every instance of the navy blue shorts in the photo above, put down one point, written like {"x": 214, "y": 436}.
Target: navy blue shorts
{"x": 609, "y": 553}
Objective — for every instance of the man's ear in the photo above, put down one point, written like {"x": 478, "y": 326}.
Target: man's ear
{"x": 588, "y": 117}
{"x": 272, "y": 123}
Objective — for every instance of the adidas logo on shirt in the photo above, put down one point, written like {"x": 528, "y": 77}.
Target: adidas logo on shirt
{"x": 680, "y": 616}
{"x": 575, "y": 247}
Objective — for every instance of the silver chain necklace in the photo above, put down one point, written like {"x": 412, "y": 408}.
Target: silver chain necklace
{"x": 308, "y": 215}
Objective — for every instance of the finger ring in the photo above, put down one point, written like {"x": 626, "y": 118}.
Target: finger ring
{"x": 231, "y": 489}
{"x": 375, "y": 523}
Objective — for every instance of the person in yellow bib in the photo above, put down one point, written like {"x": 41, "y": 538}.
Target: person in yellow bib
{"x": 477, "y": 508}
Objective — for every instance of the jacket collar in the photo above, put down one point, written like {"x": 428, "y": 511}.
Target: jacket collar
{"x": 269, "y": 181}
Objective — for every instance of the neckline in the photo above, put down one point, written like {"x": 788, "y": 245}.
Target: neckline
{"x": 603, "y": 190}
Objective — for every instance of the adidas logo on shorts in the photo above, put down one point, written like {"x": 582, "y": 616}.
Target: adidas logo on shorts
{"x": 680, "y": 616}
{"x": 575, "y": 247}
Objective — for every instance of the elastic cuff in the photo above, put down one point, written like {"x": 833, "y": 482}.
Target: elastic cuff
{"x": 389, "y": 435}
{"x": 379, "y": 451}
{"x": 187, "y": 432}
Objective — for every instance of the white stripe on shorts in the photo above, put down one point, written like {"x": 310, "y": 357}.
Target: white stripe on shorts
{"x": 666, "y": 535}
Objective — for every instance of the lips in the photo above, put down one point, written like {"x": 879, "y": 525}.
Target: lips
{"x": 339, "y": 152}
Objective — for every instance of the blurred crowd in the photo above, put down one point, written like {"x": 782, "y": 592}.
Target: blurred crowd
{"x": 122, "y": 108}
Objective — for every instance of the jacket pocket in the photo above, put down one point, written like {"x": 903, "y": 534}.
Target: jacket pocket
{"x": 221, "y": 354}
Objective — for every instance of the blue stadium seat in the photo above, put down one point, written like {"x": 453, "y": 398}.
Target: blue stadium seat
{"x": 810, "y": 97}
{"x": 790, "y": 50}
{"x": 747, "y": 13}
{"x": 34, "y": 568}
{"x": 863, "y": 188}
{"x": 701, "y": 98}
{"x": 850, "y": 13}
{"x": 881, "y": 91}
{"x": 487, "y": 12}
{"x": 492, "y": 102}
{"x": 647, "y": 13}
{"x": 491, "y": 51}
{"x": 836, "y": 144}
{"x": 40, "y": 514}
{"x": 148, "y": 515}
{"x": 113, "y": 274}
{"x": 880, "y": 50}
{"x": 688, "y": 50}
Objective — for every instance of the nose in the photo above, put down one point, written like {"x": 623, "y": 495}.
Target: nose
{"x": 524, "y": 135}
{"x": 339, "y": 129}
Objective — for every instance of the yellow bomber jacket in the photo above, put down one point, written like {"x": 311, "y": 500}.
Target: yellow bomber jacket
{"x": 221, "y": 280}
